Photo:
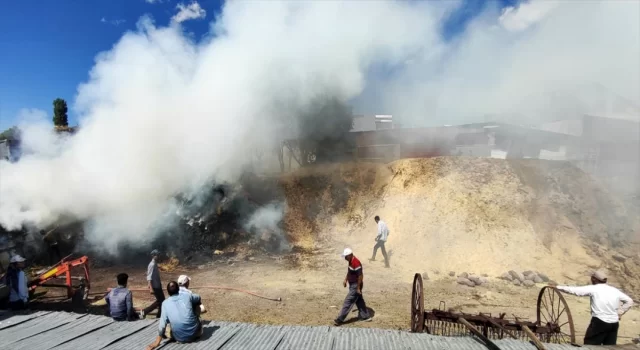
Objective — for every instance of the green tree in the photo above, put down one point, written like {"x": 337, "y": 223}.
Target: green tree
{"x": 60, "y": 113}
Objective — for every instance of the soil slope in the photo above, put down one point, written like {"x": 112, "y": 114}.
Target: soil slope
{"x": 485, "y": 216}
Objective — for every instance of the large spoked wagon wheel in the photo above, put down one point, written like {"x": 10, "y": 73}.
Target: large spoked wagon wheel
{"x": 554, "y": 313}
{"x": 417, "y": 305}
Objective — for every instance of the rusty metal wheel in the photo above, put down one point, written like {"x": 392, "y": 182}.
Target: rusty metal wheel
{"x": 553, "y": 312}
{"x": 417, "y": 305}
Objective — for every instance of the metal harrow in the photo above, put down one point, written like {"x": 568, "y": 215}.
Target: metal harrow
{"x": 553, "y": 324}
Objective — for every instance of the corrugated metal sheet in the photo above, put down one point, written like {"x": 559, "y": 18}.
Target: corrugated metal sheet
{"x": 317, "y": 338}
{"x": 65, "y": 331}
{"x": 214, "y": 336}
{"x": 107, "y": 335}
{"x": 9, "y": 320}
{"x": 63, "y": 334}
{"x": 34, "y": 327}
{"x": 137, "y": 340}
{"x": 250, "y": 337}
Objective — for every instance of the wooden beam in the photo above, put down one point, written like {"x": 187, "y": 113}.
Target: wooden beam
{"x": 488, "y": 343}
{"x": 538, "y": 344}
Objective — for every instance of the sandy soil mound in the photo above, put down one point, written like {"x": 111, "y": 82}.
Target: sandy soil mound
{"x": 464, "y": 214}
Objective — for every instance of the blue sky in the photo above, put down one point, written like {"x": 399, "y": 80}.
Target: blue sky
{"x": 48, "y": 47}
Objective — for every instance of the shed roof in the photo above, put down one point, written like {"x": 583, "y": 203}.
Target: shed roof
{"x": 62, "y": 330}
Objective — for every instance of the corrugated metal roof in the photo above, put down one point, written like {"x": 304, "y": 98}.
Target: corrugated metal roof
{"x": 105, "y": 336}
{"x": 66, "y": 331}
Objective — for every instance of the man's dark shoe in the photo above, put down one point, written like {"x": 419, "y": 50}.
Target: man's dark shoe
{"x": 337, "y": 323}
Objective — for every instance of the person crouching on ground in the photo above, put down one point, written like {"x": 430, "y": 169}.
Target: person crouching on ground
{"x": 354, "y": 279}
{"x": 120, "y": 301}
{"x": 605, "y": 309}
{"x": 183, "y": 282}
{"x": 178, "y": 311}
{"x": 16, "y": 280}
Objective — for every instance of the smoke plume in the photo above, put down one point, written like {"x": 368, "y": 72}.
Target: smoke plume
{"x": 163, "y": 114}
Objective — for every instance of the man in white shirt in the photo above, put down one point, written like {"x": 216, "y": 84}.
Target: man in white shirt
{"x": 381, "y": 239}
{"x": 183, "y": 283}
{"x": 16, "y": 280}
{"x": 605, "y": 309}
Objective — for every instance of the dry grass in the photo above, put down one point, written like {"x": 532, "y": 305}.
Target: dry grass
{"x": 170, "y": 265}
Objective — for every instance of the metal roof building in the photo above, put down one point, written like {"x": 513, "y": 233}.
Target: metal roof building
{"x": 66, "y": 331}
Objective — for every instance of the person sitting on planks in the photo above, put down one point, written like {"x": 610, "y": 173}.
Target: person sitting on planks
{"x": 120, "y": 301}
{"x": 183, "y": 282}
{"x": 178, "y": 311}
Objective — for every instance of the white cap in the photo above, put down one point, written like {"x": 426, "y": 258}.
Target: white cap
{"x": 183, "y": 279}
{"x": 599, "y": 275}
{"x": 347, "y": 251}
{"x": 17, "y": 259}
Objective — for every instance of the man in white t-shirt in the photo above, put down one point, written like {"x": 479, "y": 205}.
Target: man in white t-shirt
{"x": 606, "y": 310}
{"x": 381, "y": 239}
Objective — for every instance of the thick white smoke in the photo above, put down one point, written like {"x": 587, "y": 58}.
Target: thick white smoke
{"x": 162, "y": 113}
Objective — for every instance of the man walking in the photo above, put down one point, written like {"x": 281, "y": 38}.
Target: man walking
{"x": 605, "y": 309}
{"x": 354, "y": 279}
{"x": 381, "y": 239}
{"x": 120, "y": 301}
{"x": 154, "y": 285}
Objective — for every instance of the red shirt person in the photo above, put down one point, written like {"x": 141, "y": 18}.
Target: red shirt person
{"x": 354, "y": 296}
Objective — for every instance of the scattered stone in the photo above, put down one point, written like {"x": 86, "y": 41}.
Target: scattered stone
{"x": 218, "y": 252}
{"x": 516, "y": 282}
{"x": 537, "y": 279}
{"x": 436, "y": 272}
{"x": 529, "y": 283}
{"x": 553, "y": 282}
{"x": 463, "y": 275}
{"x": 475, "y": 280}
{"x": 465, "y": 282}
{"x": 619, "y": 257}
{"x": 530, "y": 277}
{"x": 452, "y": 274}
{"x": 484, "y": 275}
{"x": 527, "y": 273}
{"x": 506, "y": 276}
{"x": 425, "y": 276}
{"x": 517, "y": 275}
{"x": 543, "y": 277}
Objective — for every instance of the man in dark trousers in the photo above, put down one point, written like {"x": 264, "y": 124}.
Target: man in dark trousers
{"x": 381, "y": 239}
{"x": 354, "y": 280}
{"x": 154, "y": 285}
{"x": 605, "y": 309}
{"x": 51, "y": 240}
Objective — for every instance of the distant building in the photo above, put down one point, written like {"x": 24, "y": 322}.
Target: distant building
{"x": 372, "y": 122}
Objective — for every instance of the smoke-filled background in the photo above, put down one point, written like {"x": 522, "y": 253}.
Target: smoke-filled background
{"x": 162, "y": 114}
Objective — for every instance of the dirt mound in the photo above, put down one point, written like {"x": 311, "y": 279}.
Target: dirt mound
{"x": 462, "y": 214}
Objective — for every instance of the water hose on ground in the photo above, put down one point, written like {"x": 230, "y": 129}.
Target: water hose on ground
{"x": 214, "y": 287}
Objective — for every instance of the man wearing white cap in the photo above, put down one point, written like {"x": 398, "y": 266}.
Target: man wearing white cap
{"x": 17, "y": 282}
{"x": 605, "y": 309}
{"x": 183, "y": 283}
{"x": 354, "y": 280}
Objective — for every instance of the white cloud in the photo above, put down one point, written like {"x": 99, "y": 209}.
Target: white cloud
{"x": 153, "y": 1}
{"x": 188, "y": 12}
{"x": 103, "y": 20}
{"x": 527, "y": 13}
{"x": 162, "y": 112}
